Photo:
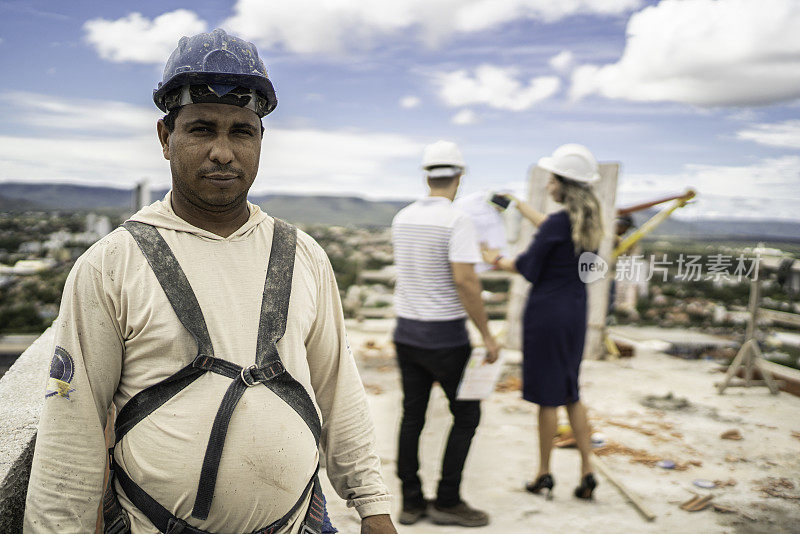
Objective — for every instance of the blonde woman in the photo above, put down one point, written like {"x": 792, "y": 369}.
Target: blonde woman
{"x": 554, "y": 321}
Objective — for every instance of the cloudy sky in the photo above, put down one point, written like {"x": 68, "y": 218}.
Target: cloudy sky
{"x": 700, "y": 93}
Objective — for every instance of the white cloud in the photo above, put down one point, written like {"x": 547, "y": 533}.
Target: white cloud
{"x": 766, "y": 189}
{"x": 782, "y": 134}
{"x": 496, "y": 87}
{"x": 298, "y": 160}
{"x": 563, "y": 61}
{"x": 138, "y": 39}
{"x": 465, "y": 117}
{"x": 704, "y": 52}
{"x": 84, "y": 116}
{"x": 325, "y": 27}
{"x": 409, "y": 102}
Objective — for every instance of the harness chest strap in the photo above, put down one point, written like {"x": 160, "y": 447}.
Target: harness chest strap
{"x": 268, "y": 370}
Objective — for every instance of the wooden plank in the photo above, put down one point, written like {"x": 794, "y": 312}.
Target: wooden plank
{"x": 780, "y": 317}
{"x": 628, "y": 494}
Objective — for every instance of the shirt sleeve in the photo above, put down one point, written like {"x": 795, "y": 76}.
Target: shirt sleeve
{"x": 348, "y": 434}
{"x": 530, "y": 263}
{"x": 464, "y": 242}
{"x": 66, "y": 482}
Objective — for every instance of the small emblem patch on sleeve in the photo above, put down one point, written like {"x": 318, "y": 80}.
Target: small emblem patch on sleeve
{"x": 62, "y": 370}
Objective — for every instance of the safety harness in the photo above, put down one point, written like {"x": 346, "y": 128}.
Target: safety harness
{"x": 267, "y": 370}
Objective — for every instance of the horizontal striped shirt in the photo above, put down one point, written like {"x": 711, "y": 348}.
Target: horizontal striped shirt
{"x": 428, "y": 236}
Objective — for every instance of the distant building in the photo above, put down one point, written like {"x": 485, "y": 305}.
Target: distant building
{"x": 30, "y": 247}
{"x": 141, "y": 195}
{"x": 99, "y": 226}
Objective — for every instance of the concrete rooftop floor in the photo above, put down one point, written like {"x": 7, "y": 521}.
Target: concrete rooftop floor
{"x": 504, "y": 451}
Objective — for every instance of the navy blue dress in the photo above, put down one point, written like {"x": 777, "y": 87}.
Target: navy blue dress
{"x": 554, "y": 322}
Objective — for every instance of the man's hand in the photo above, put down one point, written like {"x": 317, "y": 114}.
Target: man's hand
{"x": 377, "y": 524}
{"x": 492, "y": 349}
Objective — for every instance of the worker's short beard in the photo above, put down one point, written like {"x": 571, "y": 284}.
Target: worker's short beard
{"x": 219, "y": 202}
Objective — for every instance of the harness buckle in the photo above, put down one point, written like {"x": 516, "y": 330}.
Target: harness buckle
{"x": 252, "y": 382}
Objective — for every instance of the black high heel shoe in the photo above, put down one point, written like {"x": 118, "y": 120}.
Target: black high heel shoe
{"x": 543, "y": 482}
{"x": 588, "y": 484}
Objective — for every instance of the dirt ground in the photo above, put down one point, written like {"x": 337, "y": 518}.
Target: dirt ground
{"x": 757, "y": 476}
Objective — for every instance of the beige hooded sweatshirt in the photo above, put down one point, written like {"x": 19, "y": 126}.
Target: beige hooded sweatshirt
{"x": 119, "y": 334}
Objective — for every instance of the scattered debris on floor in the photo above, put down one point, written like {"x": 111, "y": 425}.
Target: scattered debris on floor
{"x": 668, "y": 402}
{"x": 697, "y": 503}
{"x": 509, "y": 383}
{"x": 723, "y": 509}
{"x": 564, "y": 438}
{"x": 725, "y": 483}
{"x": 796, "y": 434}
{"x": 642, "y": 457}
{"x": 776, "y": 487}
{"x": 645, "y": 431}
{"x": 372, "y": 350}
{"x": 732, "y": 434}
{"x": 626, "y": 350}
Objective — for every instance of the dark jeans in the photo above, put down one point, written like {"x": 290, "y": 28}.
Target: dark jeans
{"x": 419, "y": 369}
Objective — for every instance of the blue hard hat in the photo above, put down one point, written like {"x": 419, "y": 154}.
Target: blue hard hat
{"x": 221, "y": 64}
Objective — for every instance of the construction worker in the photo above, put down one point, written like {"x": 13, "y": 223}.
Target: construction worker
{"x": 217, "y": 332}
{"x": 435, "y": 252}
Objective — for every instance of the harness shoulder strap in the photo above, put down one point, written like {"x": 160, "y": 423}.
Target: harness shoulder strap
{"x": 173, "y": 281}
{"x": 272, "y": 326}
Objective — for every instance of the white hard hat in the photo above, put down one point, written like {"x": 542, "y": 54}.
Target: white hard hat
{"x": 445, "y": 156}
{"x": 572, "y": 161}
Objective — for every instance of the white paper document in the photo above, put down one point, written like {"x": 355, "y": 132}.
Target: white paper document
{"x": 488, "y": 222}
{"x": 479, "y": 379}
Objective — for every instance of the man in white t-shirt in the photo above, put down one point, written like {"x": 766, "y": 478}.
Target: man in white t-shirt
{"x": 435, "y": 252}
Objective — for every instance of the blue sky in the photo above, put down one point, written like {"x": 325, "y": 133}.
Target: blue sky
{"x": 700, "y": 93}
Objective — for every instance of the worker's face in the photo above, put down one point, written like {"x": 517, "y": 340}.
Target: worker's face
{"x": 555, "y": 188}
{"x": 213, "y": 153}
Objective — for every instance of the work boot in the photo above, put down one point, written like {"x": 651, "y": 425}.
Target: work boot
{"x": 461, "y": 514}
{"x": 413, "y": 512}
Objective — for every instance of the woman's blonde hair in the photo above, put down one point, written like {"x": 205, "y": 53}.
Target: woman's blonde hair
{"x": 584, "y": 213}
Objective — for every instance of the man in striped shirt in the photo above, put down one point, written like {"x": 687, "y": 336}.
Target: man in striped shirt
{"x": 435, "y": 252}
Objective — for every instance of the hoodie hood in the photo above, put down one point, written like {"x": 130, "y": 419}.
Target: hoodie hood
{"x": 161, "y": 215}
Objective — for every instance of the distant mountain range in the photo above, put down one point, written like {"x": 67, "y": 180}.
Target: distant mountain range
{"x": 348, "y": 210}
{"x": 305, "y": 209}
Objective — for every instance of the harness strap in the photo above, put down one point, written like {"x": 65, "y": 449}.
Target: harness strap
{"x": 216, "y": 442}
{"x": 173, "y": 281}
{"x": 167, "y": 523}
{"x": 272, "y": 326}
{"x": 148, "y": 400}
{"x": 277, "y": 290}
